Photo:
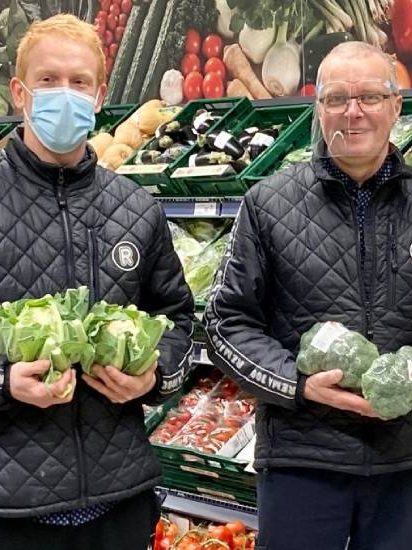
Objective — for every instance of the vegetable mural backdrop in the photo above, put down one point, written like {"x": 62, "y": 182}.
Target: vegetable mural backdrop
{"x": 178, "y": 50}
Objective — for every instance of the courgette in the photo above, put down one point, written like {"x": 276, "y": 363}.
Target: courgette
{"x": 161, "y": 61}
{"x": 144, "y": 50}
{"x": 125, "y": 54}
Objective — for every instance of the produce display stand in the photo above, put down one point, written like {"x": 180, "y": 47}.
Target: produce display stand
{"x": 156, "y": 177}
{"x": 231, "y": 184}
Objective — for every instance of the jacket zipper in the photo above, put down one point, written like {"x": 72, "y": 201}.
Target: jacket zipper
{"x": 79, "y": 453}
{"x": 366, "y": 301}
{"x": 393, "y": 264}
{"x": 62, "y": 202}
{"x": 93, "y": 271}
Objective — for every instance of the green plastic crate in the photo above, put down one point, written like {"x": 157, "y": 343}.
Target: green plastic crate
{"x": 110, "y": 116}
{"x": 236, "y": 184}
{"x": 236, "y": 492}
{"x": 297, "y": 136}
{"x": 156, "y": 178}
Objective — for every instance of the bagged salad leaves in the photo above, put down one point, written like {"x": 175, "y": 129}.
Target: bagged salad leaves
{"x": 328, "y": 346}
{"x": 200, "y": 252}
{"x": 387, "y": 385}
{"x": 47, "y": 328}
{"x": 124, "y": 337}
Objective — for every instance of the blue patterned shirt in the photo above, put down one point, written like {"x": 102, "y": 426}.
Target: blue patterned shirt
{"x": 361, "y": 194}
{"x": 75, "y": 517}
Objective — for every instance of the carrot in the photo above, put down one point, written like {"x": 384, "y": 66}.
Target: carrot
{"x": 238, "y": 65}
{"x": 236, "y": 88}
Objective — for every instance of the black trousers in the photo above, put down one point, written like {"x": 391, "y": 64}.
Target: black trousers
{"x": 308, "y": 509}
{"x": 128, "y": 526}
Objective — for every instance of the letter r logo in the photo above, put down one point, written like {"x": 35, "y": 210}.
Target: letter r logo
{"x": 126, "y": 256}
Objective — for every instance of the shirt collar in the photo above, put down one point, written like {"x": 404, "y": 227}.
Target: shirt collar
{"x": 387, "y": 170}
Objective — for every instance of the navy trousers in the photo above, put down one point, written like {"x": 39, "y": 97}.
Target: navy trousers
{"x": 128, "y": 526}
{"x": 309, "y": 509}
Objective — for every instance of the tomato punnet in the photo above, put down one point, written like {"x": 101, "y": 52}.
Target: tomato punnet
{"x": 308, "y": 90}
{"x": 118, "y": 33}
{"x": 212, "y": 46}
{"x": 126, "y": 6}
{"x": 192, "y": 85}
{"x": 215, "y": 65}
{"x": 190, "y": 62}
{"x": 193, "y": 40}
{"x": 213, "y": 86}
{"x": 401, "y": 26}
{"x": 112, "y": 21}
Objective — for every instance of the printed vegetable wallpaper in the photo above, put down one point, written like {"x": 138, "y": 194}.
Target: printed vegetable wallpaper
{"x": 179, "y": 50}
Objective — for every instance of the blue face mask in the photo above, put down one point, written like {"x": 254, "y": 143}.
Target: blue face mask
{"x": 61, "y": 118}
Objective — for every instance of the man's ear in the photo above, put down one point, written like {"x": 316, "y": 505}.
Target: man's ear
{"x": 17, "y": 93}
{"x": 101, "y": 94}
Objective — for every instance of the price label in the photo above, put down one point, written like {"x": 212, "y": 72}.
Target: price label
{"x": 203, "y": 209}
{"x": 128, "y": 169}
{"x": 199, "y": 171}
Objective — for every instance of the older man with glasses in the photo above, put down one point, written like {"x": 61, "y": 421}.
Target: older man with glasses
{"x": 325, "y": 240}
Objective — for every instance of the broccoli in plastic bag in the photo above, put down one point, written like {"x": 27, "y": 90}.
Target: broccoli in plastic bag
{"x": 387, "y": 385}
{"x": 328, "y": 346}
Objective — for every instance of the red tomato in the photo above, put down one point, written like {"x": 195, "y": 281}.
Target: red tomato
{"x": 114, "y": 8}
{"x": 307, "y": 90}
{"x": 215, "y": 65}
{"x": 401, "y": 26}
{"x": 192, "y": 85}
{"x": 236, "y": 527}
{"x": 222, "y": 533}
{"x": 122, "y": 19}
{"x": 190, "y": 62}
{"x": 105, "y": 5}
{"x": 113, "y": 50}
{"x": 212, "y": 46}
{"x": 112, "y": 21}
{"x": 192, "y": 44}
{"x": 118, "y": 33}
{"x": 126, "y": 6}
{"x": 118, "y": 2}
{"x": 213, "y": 86}
{"x": 108, "y": 37}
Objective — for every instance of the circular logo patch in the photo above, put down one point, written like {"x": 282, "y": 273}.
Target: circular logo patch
{"x": 126, "y": 256}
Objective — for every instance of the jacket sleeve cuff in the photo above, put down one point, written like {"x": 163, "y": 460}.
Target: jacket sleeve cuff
{"x": 300, "y": 387}
{"x": 153, "y": 395}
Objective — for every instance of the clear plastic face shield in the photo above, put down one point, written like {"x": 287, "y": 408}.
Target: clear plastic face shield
{"x": 354, "y": 117}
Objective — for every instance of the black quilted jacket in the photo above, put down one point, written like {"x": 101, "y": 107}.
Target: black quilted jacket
{"x": 294, "y": 260}
{"x": 59, "y": 228}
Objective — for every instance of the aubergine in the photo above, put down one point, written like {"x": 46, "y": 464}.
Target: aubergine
{"x": 246, "y": 135}
{"x": 211, "y": 158}
{"x": 226, "y": 142}
{"x": 261, "y": 141}
{"x": 203, "y": 121}
{"x": 171, "y": 154}
{"x": 160, "y": 144}
{"x": 147, "y": 156}
{"x": 177, "y": 132}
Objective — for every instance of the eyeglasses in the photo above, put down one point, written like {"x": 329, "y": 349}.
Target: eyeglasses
{"x": 337, "y": 104}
